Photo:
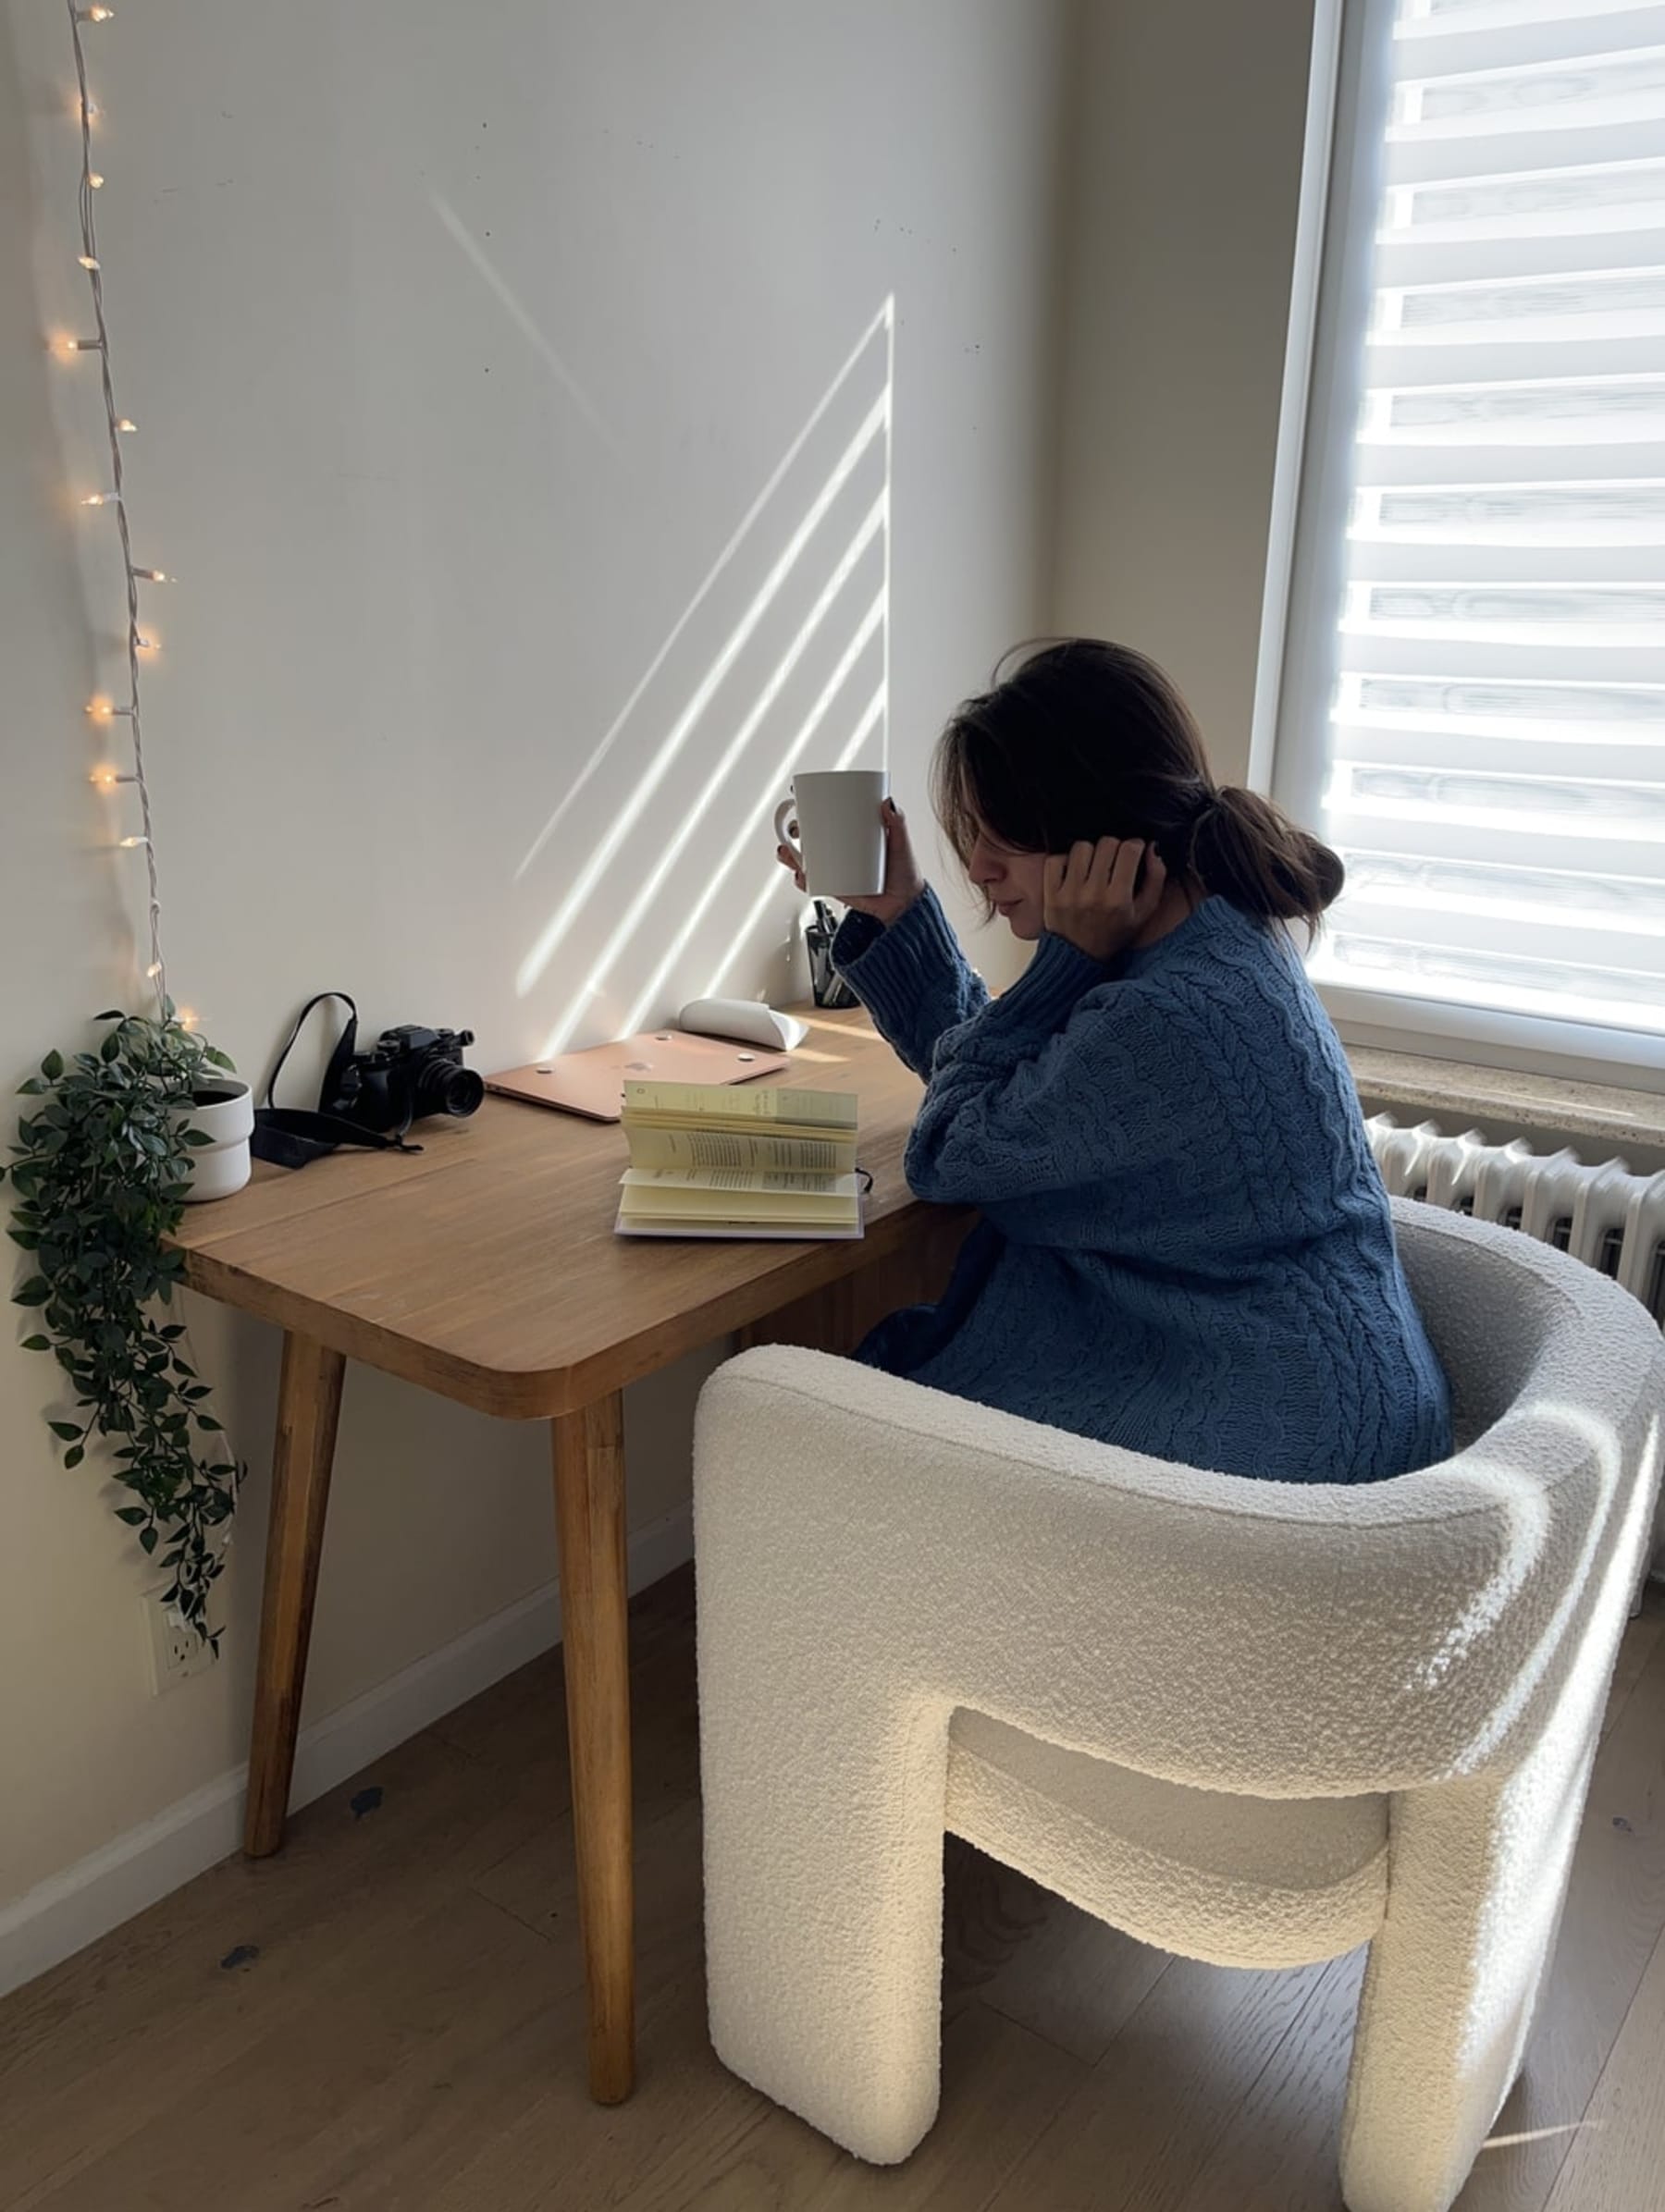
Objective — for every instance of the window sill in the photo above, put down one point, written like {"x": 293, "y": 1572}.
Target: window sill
{"x": 1503, "y": 1095}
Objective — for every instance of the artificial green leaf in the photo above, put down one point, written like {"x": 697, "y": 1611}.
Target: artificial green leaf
{"x": 99, "y": 1180}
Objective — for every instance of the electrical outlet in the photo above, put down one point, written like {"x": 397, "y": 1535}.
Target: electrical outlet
{"x": 176, "y": 1652}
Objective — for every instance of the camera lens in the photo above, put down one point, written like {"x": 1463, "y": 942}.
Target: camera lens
{"x": 444, "y": 1088}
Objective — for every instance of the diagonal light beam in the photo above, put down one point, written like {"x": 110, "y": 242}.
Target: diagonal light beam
{"x": 872, "y": 716}
{"x": 538, "y": 958}
{"x": 779, "y": 677}
{"x": 884, "y": 320}
{"x": 523, "y": 322}
{"x": 1570, "y": 2127}
{"x": 890, "y": 435}
{"x": 749, "y": 828}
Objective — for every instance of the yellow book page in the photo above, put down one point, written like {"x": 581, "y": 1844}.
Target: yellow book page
{"x": 661, "y": 1147}
{"x": 704, "y": 1206}
{"x": 716, "y": 1196}
{"x": 742, "y": 1107}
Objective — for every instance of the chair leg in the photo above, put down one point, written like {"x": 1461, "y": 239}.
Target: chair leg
{"x": 823, "y": 1880}
{"x": 1478, "y": 1874}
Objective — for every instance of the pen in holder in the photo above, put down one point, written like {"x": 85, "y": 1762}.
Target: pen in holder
{"x": 828, "y": 986}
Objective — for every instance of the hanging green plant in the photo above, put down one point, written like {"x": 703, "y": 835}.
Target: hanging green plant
{"x": 100, "y": 1181}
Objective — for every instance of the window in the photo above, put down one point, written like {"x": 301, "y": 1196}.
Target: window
{"x": 1472, "y": 697}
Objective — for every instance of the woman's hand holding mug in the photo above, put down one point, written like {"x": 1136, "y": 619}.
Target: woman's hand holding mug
{"x": 903, "y": 881}
{"x": 857, "y": 842}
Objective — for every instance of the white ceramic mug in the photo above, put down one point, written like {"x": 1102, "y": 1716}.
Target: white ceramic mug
{"x": 833, "y": 825}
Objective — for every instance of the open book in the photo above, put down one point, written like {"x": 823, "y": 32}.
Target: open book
{"x": 706, "y": 1160}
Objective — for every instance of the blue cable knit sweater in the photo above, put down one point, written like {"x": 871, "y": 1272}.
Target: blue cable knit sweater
{"x": 1185, "y": 1245}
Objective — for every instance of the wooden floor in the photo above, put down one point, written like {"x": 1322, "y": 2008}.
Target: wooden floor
{"x": 386, "y": 2019}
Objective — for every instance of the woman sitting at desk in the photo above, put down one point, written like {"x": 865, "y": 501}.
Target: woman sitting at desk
{"x": 1185, "y": 1246}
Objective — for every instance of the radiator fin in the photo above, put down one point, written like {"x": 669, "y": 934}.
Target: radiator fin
{"x": 1609, "y": 1218}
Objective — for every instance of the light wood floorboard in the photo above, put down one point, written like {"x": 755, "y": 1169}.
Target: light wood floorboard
{"x": 388, "y": 2018}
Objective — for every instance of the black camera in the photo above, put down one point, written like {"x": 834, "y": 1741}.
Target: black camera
{"x": 410, "y": 1073}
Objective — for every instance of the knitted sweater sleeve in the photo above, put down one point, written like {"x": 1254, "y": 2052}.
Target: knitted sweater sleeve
{"x": 912, "y": 977}
{"x": 1042, "y": 1092}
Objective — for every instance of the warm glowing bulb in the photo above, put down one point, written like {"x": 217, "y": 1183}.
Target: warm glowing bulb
{"x": 95, "y": 180}
{"x": 186, "y": 1019}
{"x": 154, "y": 576}
{"x": 129, "y": 843}
{"x": 125, "y": 423}
{"x": 91, "y": 110}
{"x": 101, "y": 499}
{"x": 87, "y": 260}
{"x": 153, "y": 970}
{"x": 104, "y": 779}
{"x": 100, "y": 708}
{"x": 144, "y": 645}
{"x": 93, "y": 14}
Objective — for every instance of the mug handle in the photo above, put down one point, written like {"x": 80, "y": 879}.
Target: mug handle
{"x": 783, "y": 816}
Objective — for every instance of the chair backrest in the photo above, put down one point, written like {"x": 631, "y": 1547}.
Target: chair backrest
{"x": 1279, "y": 1639}
{"x": 1490, "y": 1312}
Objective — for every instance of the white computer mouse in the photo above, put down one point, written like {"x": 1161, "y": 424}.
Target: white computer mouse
{"x": 747, "y": 1019}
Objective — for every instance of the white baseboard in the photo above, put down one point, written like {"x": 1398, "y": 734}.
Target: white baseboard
{"x": 59, "y": 1916}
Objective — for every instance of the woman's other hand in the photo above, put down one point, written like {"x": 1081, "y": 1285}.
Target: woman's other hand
{"x": 1090, "y": 895}
{"x": 903, "y": 881}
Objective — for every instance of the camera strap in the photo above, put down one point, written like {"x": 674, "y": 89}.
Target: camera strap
{"x": 294, "y": 1135}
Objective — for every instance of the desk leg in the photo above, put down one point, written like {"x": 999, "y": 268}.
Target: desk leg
{"x": 589, "y": 1512}
{"x": 309, "y": 1400}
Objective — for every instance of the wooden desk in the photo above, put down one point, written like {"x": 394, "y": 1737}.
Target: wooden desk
{"x": 485, "y": 1268}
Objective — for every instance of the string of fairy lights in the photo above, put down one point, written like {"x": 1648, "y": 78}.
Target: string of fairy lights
{"x": 103, "y": 711}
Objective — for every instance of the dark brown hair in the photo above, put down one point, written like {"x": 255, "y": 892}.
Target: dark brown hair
{"x": 1083, "y": 738}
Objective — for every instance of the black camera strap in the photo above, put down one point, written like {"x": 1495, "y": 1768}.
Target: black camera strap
{"x": 294, "y": 1135}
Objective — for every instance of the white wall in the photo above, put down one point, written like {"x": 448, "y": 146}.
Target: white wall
{"x": 460, "y": 341}
{"x": 1183, "y": 197}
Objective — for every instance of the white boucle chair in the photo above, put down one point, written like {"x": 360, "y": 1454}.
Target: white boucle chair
{"x": 1257, "y": 1723}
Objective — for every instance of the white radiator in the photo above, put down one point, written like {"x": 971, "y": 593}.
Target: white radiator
{"x": 1602, "y": 1214}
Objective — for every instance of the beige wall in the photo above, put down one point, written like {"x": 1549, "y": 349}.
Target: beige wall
{"x": 1183, "y": 200}
{"x": 459, "y": 340}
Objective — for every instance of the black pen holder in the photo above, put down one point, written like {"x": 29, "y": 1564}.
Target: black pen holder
{"x": 828, "y": 985}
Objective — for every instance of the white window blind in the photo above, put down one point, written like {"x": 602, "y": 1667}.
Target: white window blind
{"x": 1474, "y": 699}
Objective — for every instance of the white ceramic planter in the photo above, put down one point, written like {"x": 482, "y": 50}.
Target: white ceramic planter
{"x": 225, "y": 1113}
